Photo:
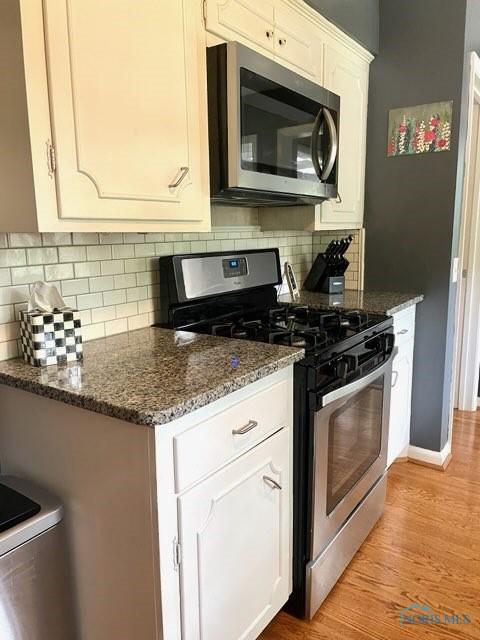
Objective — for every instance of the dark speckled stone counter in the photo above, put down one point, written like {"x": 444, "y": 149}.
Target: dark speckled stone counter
{"x": 370, "y": 301}
{"x": 152, "y": 376}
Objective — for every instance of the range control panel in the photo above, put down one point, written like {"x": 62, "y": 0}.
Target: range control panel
{"x": 234, "y": 267}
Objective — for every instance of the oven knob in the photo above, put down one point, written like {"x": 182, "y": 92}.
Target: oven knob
{"x": 340, "y": 368}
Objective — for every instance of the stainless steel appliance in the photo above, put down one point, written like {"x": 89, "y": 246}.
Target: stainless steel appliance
{"x": 35, "y": 593}
{"x": 341, "y": 399}
{"x": 273, "y": 134}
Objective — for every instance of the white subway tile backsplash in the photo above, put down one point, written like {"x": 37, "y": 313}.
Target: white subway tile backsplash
{"x": 85, "y": 238}
{"x": 26, "y": 275}
{"x": 100, "y": 252}
{"x": 46, "y": 255}
{"x": 73, "y": 287}
{"x": 13, "y": 257}
{"x": 112, "y": 267}
{"x": 89, "y": 301}
{"x": 72, "y": 254}
{"x": 116, "y": 326}
{"x": 5, "y": 277}
{"x": 146, "y": 249}
{"x": 103, "y": 314}
{"x": 11, "y": 295}
{"x": 58, "y": 272}
{"x": 122, "y": 251}
{"x": 56, "y": 239}
{"x": 102, "y": 283}
{"x": 8, "y": 350}
{"x": 87, "y": 269}
{"x": 113, "y": 278}
{"x": 125, "y": 280}
{"x": 114, "y": 297}
{"x": 7, "y": 314}
{"x": 24, "y": 240}
{"x": 128, "y": 309}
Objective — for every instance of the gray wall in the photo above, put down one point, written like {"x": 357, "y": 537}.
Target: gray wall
{"x": 412, "y": 203}
{"x": 358, "y": 18}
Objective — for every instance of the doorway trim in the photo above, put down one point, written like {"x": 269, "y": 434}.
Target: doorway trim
{"x": 467, "y": 321}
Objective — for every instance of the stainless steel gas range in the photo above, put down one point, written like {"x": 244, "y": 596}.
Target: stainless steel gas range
{"x": 341, "y": 400}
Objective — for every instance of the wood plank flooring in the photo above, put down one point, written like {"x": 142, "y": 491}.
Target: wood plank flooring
{"x": 425, "y": 549}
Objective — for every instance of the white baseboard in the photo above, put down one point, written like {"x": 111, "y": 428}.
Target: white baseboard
{"x": 435, "y": 458}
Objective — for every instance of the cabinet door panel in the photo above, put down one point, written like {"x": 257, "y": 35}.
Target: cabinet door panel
{"x": 246, "y": 21}
{"x": 349, "y": 79}
{"x": 235, "y": 540}
{"x": 125, "y": 112}
{"x": 297, "y": 45}
{"x": 400, "y": 404}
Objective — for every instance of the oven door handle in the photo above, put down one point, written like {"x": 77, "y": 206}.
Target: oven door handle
{"x": 357, "y": 385}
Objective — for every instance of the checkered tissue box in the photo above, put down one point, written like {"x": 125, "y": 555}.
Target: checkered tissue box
{"x": 51, "y": 338}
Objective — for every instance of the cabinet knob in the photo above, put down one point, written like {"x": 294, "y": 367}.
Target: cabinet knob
{"x": 272, "y": 483}
{"x": 402, "y": 332}
{"x": 180, "y": 177}
{"x": 269, "y": 34}
{"x": 282, "y": 41}
{"x": 251, "y": 424}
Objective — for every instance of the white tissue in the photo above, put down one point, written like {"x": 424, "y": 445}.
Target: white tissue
{"x": 45, "y": 297}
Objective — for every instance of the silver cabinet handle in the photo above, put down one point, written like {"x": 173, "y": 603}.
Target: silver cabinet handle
{"x": 282, "y": 41}
{"x": 394, "y": 382}
{"x": 181, "y": 175}
{"x": 402, "y": 332}
{"x": 272, "y": 483}
{"x": 269, "y": 34}
{"x": 251, "y": 424}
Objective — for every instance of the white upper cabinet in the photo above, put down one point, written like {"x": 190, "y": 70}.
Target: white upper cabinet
{"x": 247, "y": 21}
{"x": 126, "y": 86}
{"x": 347, "y": 76}
{"x": 297, "y": 45}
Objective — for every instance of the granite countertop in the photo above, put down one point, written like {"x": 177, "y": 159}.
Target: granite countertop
{"x": 151, "y": 376}
{"x": 382, "y": 302}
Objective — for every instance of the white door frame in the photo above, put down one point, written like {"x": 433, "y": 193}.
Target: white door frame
{"x": 467, "y": 336}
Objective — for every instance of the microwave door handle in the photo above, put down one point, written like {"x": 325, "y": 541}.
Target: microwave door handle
{"x": 314, "y": 146}
{"x": 332, "y": 156}
{"x": 358, "y": 385}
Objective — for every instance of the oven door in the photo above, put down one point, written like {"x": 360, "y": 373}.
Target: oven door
{"x": 350, "y": 449}
{"x": 282, "y": 128}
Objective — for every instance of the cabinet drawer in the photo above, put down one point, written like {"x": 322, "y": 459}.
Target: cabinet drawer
{"x": 210, "y": 444}
{"x": 404, "y": 325}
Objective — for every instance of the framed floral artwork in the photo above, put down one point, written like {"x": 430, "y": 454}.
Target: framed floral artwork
{"x": 425, "y": 128}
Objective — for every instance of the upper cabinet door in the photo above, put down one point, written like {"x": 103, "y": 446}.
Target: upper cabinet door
{"x": 347, "y": 75}
{"x": 297, "y": 45}
{"x": 128, "y": 103}
{"x": 247, "y": 21}
{"x": 235, "y": 545}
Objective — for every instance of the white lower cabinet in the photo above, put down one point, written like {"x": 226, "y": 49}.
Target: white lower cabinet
{"x": 224, "y": 495}
{"x": 235, "y": 539}
{"x": 401, "y": 398}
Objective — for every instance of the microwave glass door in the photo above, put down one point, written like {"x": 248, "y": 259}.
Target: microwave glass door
{"x": 281, "y": 130}
{"x": 354, "y": 441}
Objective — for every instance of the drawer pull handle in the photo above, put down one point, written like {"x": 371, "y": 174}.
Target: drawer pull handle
{"x": 272, "y": 483}
{"x": 402, "y": 332}
{"x": 282, "y": 41}
{"x": 251, "y": 424}
{"x": 394, "y": 382}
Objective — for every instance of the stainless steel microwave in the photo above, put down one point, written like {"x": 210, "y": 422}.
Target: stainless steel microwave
{"x": 273, "y": 134}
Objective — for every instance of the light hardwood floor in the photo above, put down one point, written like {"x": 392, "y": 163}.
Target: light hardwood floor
{"x": 425, "y": 549}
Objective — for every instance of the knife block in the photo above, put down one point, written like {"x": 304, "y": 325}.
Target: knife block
{"x": 325, "y": 277}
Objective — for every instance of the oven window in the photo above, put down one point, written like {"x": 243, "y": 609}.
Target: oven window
{"x": 276, "y": 129}
{"x": 354, "y": 441}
